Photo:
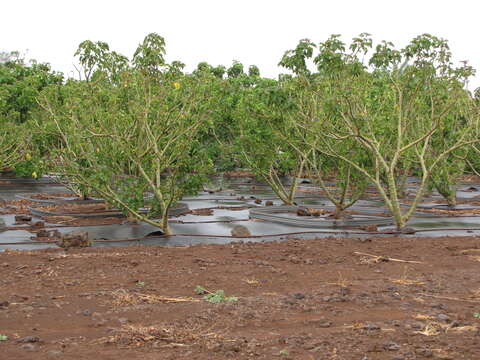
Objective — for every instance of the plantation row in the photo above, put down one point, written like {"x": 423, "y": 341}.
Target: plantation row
{"x": 141, "y": 132}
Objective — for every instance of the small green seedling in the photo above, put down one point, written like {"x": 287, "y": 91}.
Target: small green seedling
{"x": 284, "y": 352}
{"x": 140, "y": 283}
{"x": 214, "y": 297}
{"x": 3, "y": 337}
{"x": 477, "y": 315}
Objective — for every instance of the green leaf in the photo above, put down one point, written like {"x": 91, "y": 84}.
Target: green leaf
{"x": 200, "y": 290}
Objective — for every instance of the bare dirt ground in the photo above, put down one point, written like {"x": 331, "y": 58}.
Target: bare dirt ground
{"x": 409, "y": 298}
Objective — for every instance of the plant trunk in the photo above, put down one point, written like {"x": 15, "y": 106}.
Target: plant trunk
{"x": 451, "y": 199}
{"x": 397, "y": 216}
{"x": 396, "y": 210}
{"x": 448, "y": 193}
{"x": 402, "y": 186}
{"x": 165, "y": 227}
{"x": 339, "y": 209}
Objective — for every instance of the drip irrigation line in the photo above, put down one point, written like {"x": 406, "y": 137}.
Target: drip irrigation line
{"x": 246, "y": 198}
{"x": 56, "y": 226}
{"x": 448, "y": 229}
{"x": 180, "y": 209}
{"x": 58, "y": 200}
{"x": 207, "y": 222}
{"x": 246, "y": 237}
{"x": 276, "y": 214}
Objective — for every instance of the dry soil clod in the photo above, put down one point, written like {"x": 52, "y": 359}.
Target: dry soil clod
{"x": 240, "y": 231}
{"x": 74, "y": 239}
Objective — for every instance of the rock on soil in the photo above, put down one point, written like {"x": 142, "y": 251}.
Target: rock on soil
{"x": 240, "y": 231}
{"x": 74, "y": 239}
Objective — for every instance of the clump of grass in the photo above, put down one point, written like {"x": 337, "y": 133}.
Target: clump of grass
{"x": 214, "y": 297}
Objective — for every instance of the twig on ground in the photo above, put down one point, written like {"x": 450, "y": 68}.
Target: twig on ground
{"x": 377, "y": 258}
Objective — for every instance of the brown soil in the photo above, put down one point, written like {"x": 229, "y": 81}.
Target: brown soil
{"x": 451, "y": 211}
{"x": 75, "y": 208}
{"x": 73, "y": 221}
{"x": 51, "y": 196}
{"x": 16, "y": 207}
{"x": 470, "y": 179}
{"x": 389, "y": 298}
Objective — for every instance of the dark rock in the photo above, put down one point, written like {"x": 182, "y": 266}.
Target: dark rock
{"x": 290, "y": 301}
{"x": 269, "y": 203}
{"x": 22, "y": 218}
{"x": 130, "y": 222}
{"x": 371, "y": 327}
{"x": 443, "y": 317}
{"x": 28, "y": 339}
{"x": 408, "y": 230}
{"x": 455, "y": 324}
{"x": 424, "y": 352}
{"x": 299, "y": 296}
{"x": 344, "y": 291}
{"x": 86, "y": 312}
{"x": 417, "y": 325}
{"x": 391, "y": 346}
{"x": 258, "y": 201}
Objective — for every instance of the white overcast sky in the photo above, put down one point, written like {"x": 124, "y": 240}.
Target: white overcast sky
{"x": 252, "y": 32}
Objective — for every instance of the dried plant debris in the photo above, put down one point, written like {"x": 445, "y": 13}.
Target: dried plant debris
{"x": 122, "y": 297}
{"x": 161, "y": 336}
